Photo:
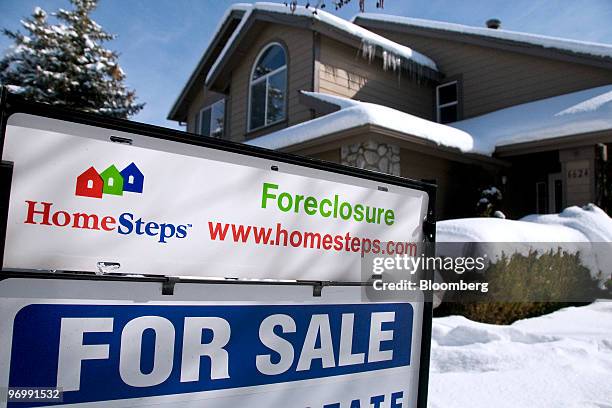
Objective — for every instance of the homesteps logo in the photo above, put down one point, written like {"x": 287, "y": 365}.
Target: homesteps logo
{"x": 92, "y": 184}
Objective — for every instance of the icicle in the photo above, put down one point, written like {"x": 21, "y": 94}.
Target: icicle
{"x": 394, "y": 62}
{"x": 391, "y": 61}
{"x": 368, "y": 50}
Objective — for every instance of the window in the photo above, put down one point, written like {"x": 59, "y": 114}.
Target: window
{"x": 447, "y": 102}
{"x": 210, "y": 122}
{"x": 268, "y": 87}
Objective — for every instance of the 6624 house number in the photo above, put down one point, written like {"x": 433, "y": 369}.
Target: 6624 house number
{"x": 577, "y": 173}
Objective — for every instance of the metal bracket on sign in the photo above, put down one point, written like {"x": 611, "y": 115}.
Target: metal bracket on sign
{"x": 168, "y": 285}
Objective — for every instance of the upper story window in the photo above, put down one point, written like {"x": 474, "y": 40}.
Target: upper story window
{"x": 268, "y": 87}
{"x": 447, "y": 102}
{"x": 211, "y": 119}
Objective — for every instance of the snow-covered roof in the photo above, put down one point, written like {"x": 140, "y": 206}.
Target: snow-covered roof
{"x": 369, "y": 39}
{"x": 353, "y": 114}
{"x": 570, "y": 114}
{"x": 562, "y": 44}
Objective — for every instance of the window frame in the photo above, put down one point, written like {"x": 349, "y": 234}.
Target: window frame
{"x": 541, "y": 187}
{"x": 449, "y": 104}
{"x": 265, "y": 77}
{"x": 199, "y": 120}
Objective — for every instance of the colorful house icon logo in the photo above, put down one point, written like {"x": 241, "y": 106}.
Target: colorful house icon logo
{"x": 92, "y": 184}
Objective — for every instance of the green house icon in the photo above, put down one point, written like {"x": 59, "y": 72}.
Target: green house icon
{"x": 113, "y": 181}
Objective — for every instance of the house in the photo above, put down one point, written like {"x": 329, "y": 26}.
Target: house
{"x": 133, "y": 179}
{"x": 466, "y": 107}
{"x": 113, "y": 181}
{"x": 89, "y": 184}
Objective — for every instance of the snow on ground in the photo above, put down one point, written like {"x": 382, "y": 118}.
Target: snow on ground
{"x": 563, "y": 359}
{"x": 563, "y": 44}
{"x": 369, "y": 39}
{"x": 353, "y": 114}
{"x": 587, "y": 230}
{"x": 570, "y": 114}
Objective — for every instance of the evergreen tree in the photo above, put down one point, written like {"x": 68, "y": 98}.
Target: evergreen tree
{"x": 66, "y": 64}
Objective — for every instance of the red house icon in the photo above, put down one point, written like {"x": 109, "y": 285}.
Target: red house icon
{"x": 89, "y": 184}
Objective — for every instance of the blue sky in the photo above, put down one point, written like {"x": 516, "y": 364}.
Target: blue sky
{"x": 160, "y": 41}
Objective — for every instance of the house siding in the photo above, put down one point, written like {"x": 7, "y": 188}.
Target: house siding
{"x": 299, "y": 45}
{"x": 203, "y": 98}
{"x": 578, "y": 171}
{"x": 494, "y": 79}
{"x": 344, "y": 72}
{"x": 453, "y": 179}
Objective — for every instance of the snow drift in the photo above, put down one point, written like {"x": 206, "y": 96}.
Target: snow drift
{"x": 563, "y": 359}
{"x": 587, "y": 230}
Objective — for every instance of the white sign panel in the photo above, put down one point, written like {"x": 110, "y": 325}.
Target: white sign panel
{"x": 162, "y": 207}
{"x": 123, "y": 344}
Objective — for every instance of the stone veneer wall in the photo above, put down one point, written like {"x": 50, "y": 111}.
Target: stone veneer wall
{"x": 372, "y": 156}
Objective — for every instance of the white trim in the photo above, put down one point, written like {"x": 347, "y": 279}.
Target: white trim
{"x": 266, "y": 78}
{"x": 552, "y": 192}
{"x": 445, "y": 105}
{"x": 199, "y": 118}
{"x": 538, "y": 185}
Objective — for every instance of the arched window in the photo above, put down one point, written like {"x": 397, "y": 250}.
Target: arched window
{"x": 268, "y": 87}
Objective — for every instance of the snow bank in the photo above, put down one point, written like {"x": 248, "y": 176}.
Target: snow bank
{"x": 587, "y": 230}
{"x": 354, "y": 114}
{"x": 590, "y": 220}
{"x": 563, "y": 359}
{"x": 574, "y": 113}
{"x": 390, "y": 50}
{"x": 563, "y": 44}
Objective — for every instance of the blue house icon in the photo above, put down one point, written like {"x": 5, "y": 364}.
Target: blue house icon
{"x": 133, "y": 179}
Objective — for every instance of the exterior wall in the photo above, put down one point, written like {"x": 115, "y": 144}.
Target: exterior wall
{"x": 493, "y": 79}
{"x": 459, "y": 184}
{"x": 372, "y": 155}
{"x": 578, "y": 175}
{"x": 299, "y": 46}
{"x": 418, "y": 166}
{"x": 344, "y": 72}
{"x": 204, "y": 98}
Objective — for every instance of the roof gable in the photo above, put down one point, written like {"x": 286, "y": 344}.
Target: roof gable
{"x": 394, "y": 55}
{"x": 225, "y": 28}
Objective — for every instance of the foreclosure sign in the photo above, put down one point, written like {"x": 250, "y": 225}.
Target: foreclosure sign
{"x": 79, "y": 199}
{"x": 243, "y": 346}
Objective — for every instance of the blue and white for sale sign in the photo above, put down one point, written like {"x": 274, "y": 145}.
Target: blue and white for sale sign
{"x": 119, "y": 344}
